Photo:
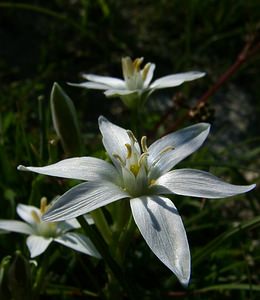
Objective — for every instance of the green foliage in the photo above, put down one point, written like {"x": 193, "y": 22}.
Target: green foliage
{"x": 15, "y": 277}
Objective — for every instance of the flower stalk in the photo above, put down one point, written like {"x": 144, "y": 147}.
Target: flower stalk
{"x": 102, "y": 247}
{"x": 102, "y": 225}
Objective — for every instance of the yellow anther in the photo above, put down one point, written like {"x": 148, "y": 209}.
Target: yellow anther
{"x": 144, "y": 144}
{"x": 145, "y": 71}
{"x": 167, "y": 149}
{"x": 119, "y": 158}
{"x": 137, "y": 63}
{"x": 35, "y": 216}
{"x": 44, "y": 205}
{"x": 152, "y": 181}
{"x": 129, "y": 150}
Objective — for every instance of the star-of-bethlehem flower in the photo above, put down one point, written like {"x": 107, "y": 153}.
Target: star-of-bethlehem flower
{"x": 136, "y": 86}
{"x": 41, "y": 234}
{"x": 143, "y": 175}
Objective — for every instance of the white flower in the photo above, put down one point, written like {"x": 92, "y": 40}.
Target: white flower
{"x": 141, "y": 174}
{"x": 136, "y": 86}
{"x": 41, "y": 234}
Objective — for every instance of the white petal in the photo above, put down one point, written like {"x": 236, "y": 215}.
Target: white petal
{"x": 114, "y": 139}
{"x": 175, "y": 79}
{"x": 161, "y": 226}
{"x": 90, "y": 85}
{"x": 82, "y": 168}
{"x": 83, "y": 198}
{"x": 115, "y": 93}
{"x": 78, "y": 242}
{"x": 184, "y": 142}
{"x": 149, "y": 75}
{"x": 67, "y": 225}
{"x": 16, "y": 226}
{"x": 89, "y": 219}
{"x": 112, "y": 82}
{"x": 196, "y": 183}
{"x": 37, "y": 244}
{"x": 25, "y": 212}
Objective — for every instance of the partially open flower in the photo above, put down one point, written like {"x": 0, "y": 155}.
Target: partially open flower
{"x": 136, "y": 86}
{"x": 41, "y": 233}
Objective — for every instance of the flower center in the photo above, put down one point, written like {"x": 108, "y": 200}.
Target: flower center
{"x": 133, "y": 74}
{"x": 134, "y": 159}
{"x": 134, "y": 166}
{"x": 138, "y": 174}
{"x": 43, "y": 228}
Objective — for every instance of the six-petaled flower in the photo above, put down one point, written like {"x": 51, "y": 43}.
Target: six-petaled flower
{"x": 144, "y": 175}
{"x": 136, "y": 86}
{"x": 41, "y": 234}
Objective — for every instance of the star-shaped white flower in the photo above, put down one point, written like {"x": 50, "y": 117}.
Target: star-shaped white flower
{"x": 143, "y": 175}
{"x": 41, "y": 234}
{"x": 136, "y": 86}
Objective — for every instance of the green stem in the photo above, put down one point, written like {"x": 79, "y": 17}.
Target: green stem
{"x": 125, "y": 239}
{"x": 102, "y": 225}
{"x": 121, "y": 215}
{"x": 101, "y": 246}
{"x": 121, "y": 218}
{"x": 137, "y": 121}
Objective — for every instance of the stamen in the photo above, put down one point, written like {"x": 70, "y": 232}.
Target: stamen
{"x": 145, "y": 71}
{"x": 131, "y": 136}
{"x": 129, "y": 150}
{"x": 137, "y": 63}
{"x": 43, "y": 206}
{"x": 119, "y": 158}
{"x": 144, "y": 144}
{"x": 167, "y": 149}
{"x": 142, "y": 157}
{"x": 35, "y": 216}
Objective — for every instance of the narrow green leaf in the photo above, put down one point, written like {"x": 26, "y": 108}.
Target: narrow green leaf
{"x": 65, "y": 121}
{"x": 214, "y": 244}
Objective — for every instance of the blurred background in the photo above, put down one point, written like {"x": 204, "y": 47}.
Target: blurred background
{"x": 43, "y": 42}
